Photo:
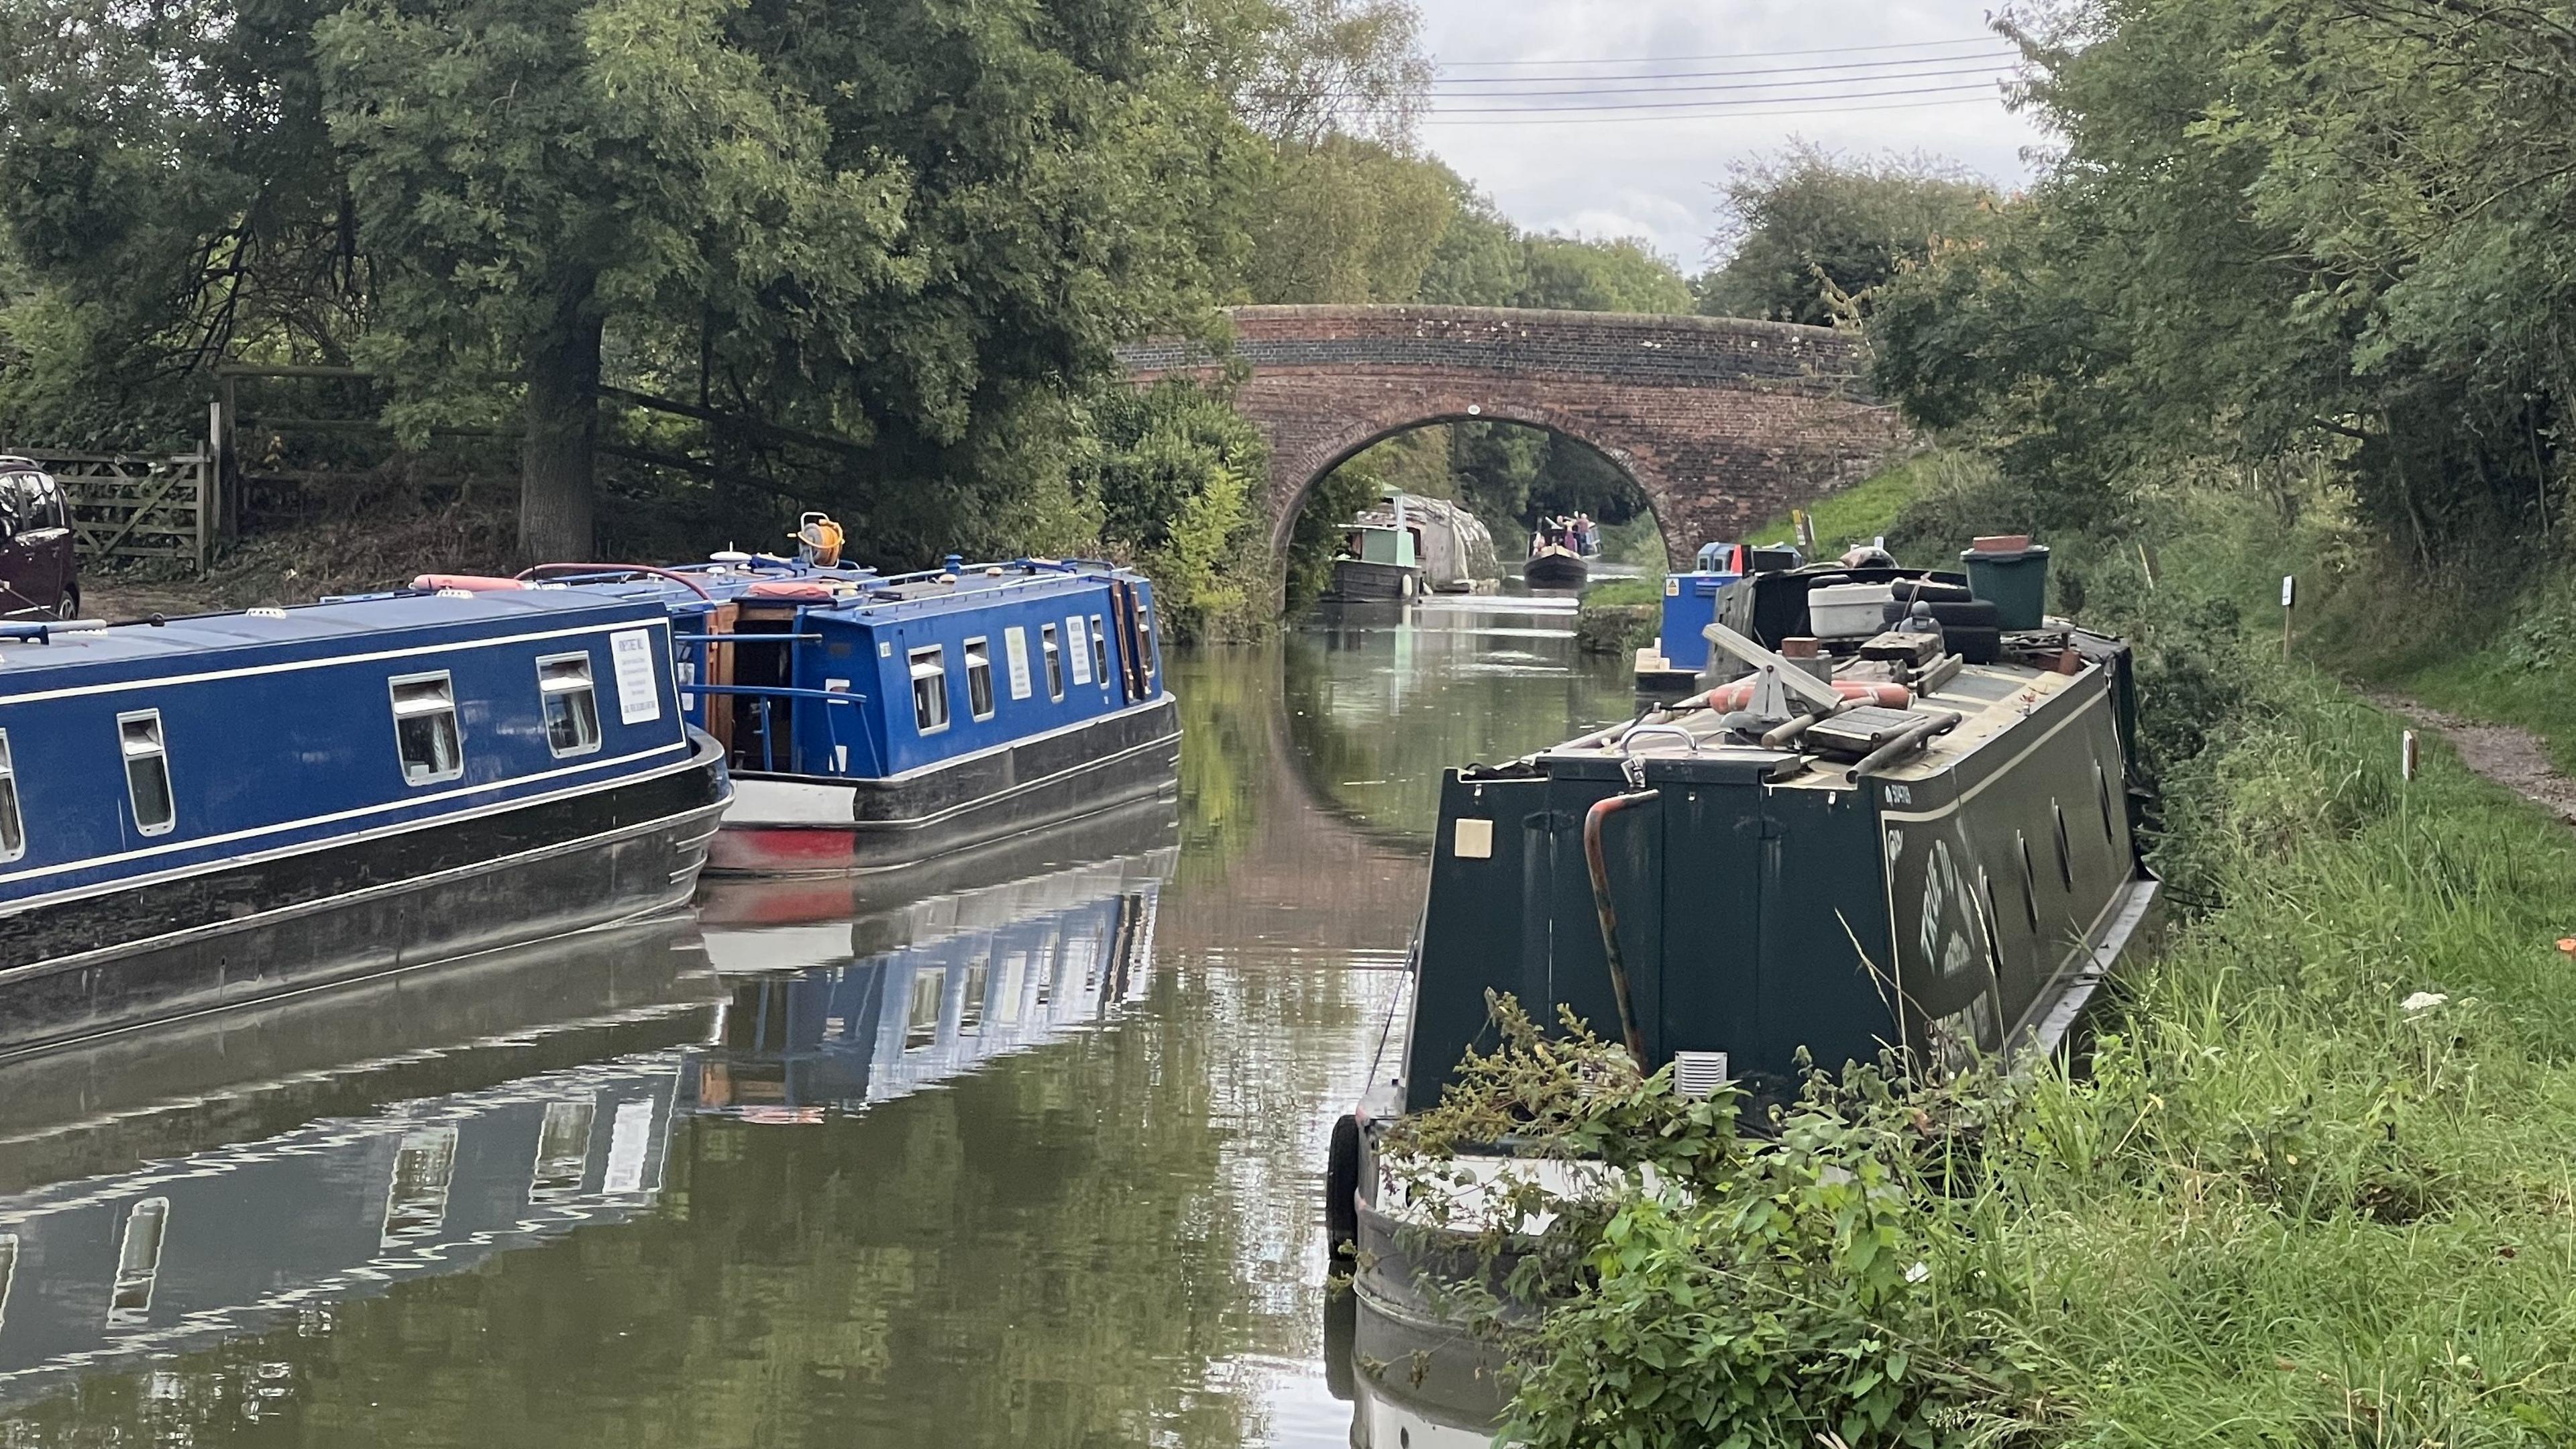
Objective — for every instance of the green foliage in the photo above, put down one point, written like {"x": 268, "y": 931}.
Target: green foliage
{"x": 1810, "y": 236}
{"x": 1346, "y": 220}
{"x": 1621, "y": 274}
{"x": 2230, "y": 263}
{"x": 1172, "y": 478}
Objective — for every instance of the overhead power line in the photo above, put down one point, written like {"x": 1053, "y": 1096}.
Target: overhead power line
{"x": 1988, "y": 68}
{"x": 1722, "y": 55}
{"x": 1997, "y": 55}
{"x": 1722, "y": 115}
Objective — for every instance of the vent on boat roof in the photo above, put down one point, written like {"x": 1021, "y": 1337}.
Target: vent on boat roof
{"x": 1697, "y": 1074}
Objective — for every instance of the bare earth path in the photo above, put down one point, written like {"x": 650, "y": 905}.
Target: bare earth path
{"x": 2507, "y": 754}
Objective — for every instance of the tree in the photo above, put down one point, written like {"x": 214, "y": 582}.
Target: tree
{"x": 1808, "y": 227}
{"x": 1618, "y": 274}
{"x": 1347, "y": 220}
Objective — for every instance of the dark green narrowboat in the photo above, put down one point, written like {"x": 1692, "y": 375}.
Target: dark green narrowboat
{"x": 1918, "y": 839}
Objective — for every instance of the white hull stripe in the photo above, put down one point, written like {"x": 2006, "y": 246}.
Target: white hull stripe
{"x": 332, "y": 661}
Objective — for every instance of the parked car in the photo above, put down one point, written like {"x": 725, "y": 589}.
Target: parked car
{"x": 38, "y": 576}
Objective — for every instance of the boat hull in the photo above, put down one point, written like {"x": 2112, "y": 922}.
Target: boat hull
{"x": 1556, "y": 571}
{"x": 810, "y": 825}
{"x": 243, "y": 931}
{"x": 1359, "y": 581}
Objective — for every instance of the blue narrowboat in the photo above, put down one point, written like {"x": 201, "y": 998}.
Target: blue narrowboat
{"x": 874, "y": 721}
{"x": 209, "y": 811}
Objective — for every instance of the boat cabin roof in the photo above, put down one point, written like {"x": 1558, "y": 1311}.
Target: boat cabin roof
{"x": 844, "y": 590}
{"x": 1990, "y": 699}
{"x": 39, "y": 653}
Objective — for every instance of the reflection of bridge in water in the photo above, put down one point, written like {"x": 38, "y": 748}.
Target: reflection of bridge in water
{"x": 1359, "y": 721}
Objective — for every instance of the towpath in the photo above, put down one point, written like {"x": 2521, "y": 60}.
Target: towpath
{"x": 2507, "y": 754}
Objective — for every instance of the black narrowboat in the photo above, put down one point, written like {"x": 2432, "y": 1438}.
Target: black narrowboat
{"x": 211, "y": 811}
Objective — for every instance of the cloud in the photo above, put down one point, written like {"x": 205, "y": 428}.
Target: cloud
{"x": 1728, "y": 82}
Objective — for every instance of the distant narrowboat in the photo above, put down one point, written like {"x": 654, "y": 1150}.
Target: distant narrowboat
{"x": 228, "y": 808}
{"x": 875, "y": 721}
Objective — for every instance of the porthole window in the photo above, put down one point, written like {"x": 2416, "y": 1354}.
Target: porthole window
{"x": 571, "y": 704}
{"x": 426, "y": 736}
{"x": 929, "y": 689}
{"x": 147, "y": 771}
{"x": 1053, "y": 649}
{"x": 13, "y": 828}
{"x": 979, "y": 678}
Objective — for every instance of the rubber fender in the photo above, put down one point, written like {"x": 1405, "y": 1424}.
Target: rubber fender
{"x": 467, "y": 583}
{"x": 1342, "y": 1188}
{"x": 1740, "y": 694}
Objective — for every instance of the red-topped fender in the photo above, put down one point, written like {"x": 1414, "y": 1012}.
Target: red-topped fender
{"x": 1892, "y": 696}
{"x": 469, "y": 583}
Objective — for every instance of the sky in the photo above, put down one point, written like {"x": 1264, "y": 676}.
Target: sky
{"x": 1726, "y": 74}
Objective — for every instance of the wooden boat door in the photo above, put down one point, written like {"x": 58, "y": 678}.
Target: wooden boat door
{"x": 1134, "y": 648}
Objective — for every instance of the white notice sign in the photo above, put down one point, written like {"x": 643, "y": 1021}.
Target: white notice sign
{"x": 1015, "y": 643}
{"x": 1080, "y": 644}
{"x": 639, "y": 699}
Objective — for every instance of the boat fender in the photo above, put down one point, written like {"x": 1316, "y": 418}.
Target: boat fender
{"x": 1740, "y": 694}
{"x": 466, "y": 583}
{"x": 1342, "y": 1188}
{"x": 809, "y": 590}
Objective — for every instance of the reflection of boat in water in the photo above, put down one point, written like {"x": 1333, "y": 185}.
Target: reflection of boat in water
{"x": 1407, "y": 1389}
{"x": 845, "y": 1013}
{"x": 249, "y": 1168}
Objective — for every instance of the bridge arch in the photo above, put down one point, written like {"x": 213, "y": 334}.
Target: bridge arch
{"x": 1722, "y": 422}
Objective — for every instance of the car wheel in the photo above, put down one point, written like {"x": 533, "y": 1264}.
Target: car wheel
{"x": 69, "y": 608}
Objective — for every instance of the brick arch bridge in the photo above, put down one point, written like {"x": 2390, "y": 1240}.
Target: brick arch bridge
{"x": 1723, "y": 423}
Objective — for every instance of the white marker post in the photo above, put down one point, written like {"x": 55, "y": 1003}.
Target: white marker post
{"x": 2407, "y": 759}
{"x": 2289, "y": 608}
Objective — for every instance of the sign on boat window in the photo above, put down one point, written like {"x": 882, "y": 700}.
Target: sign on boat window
{"x": 13, "y": 829}
{"x": 1015, "y": 648}
{"x": 571, "y": 704}
{"x": 979, "y": 678}
{"x": 425, "y": 731}
{"x": 1074, "y": 636}
{"x": 147, "y": 770}
{"x": 929, "y": 689}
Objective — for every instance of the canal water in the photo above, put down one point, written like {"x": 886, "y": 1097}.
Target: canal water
{"x": 1029, "y": 1156}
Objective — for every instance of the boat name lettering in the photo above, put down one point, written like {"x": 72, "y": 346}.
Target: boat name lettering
{"x": 1899, "y": 795}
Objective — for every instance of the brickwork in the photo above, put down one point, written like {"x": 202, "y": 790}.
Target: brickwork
{"x": 1722, "y": 423}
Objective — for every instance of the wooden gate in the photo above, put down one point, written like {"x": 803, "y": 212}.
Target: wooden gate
{"x": 125, "y": 507}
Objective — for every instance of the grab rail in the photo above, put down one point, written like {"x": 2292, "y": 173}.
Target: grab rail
{"x": 762, "y": 694}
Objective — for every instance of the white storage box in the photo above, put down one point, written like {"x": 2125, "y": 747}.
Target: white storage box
{"x": 1848, "y": 611}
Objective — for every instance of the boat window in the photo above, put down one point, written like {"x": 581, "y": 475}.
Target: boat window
{"x": 147, "y": 770}
{"x": 572, "y": 704}
{"x": 2065, "y": 856}
{"x": 138, "y": 1263}
{"x": 1100, "y": 650}
{"x": 2029, "y": 881}
{"x": 425, "y": 732}
{"x": 921, "y": 1021}
{"x": 979, "y": 678}
{"x": 13, "y": 829}
{"x": 8, "y": 1272}
{"x": 2102, "y": 792}
{"x": 1053, "y": 649}
{"x": 929, "y": 689}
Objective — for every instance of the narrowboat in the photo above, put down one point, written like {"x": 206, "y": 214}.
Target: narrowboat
{"x": 1377, "y": 563}
{"x": 874, "y": 721}
{"x": 213, "y": 811}
{"x": 1453, "y": 546}
{"x": 1908, "y": 836}
{"x": 1556, "y": 558}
